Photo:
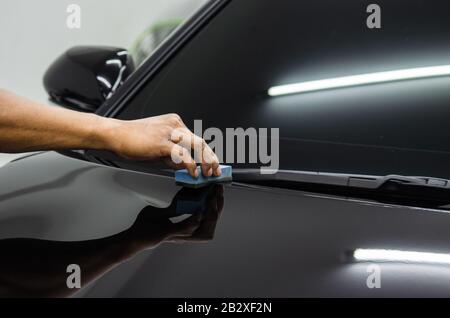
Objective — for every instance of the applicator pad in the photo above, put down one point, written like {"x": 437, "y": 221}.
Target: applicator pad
{"x": 183, "y": 178}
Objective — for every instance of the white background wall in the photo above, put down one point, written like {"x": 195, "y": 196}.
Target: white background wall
{"x": 34, "y": 32}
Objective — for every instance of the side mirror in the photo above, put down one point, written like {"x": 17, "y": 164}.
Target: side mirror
{"x": 84, "y": 77}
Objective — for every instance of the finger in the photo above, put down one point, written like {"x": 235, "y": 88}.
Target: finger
{"x": 186, "y": 139}
{"x": 203, "y": 153}
{"x": 181, "y": 158}
{"x": 211, "y": 162}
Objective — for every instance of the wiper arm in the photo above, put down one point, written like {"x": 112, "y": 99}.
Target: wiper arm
{"x": 340, "y": 179}
{"x": 421, "y": 191}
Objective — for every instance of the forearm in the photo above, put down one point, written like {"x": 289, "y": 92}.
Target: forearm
{"x": 29, "y": 126}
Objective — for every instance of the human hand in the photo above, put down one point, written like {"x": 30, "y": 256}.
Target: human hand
{"x": 162, "y": 138}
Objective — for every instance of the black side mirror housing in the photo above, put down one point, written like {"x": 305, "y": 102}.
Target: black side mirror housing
{"x": 84, "y": 77}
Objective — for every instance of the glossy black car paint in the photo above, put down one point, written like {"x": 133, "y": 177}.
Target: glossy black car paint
{"x": 267, "y": 242}
{"x": 95, "y": 75}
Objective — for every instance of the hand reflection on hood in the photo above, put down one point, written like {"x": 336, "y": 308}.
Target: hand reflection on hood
{"x": 37, "y": 268}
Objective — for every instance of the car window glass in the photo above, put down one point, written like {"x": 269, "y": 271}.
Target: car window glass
{"x": 223, "y": 76}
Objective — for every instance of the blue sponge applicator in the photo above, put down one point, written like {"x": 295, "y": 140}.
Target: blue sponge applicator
{"x": 183, "y": 178}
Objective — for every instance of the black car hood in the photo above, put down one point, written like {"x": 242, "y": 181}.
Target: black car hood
{"x": 267, "y": 242}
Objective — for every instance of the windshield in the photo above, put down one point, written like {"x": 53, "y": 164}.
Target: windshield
{"x": 152, "y": 35}
{"x": 365, "y": 101}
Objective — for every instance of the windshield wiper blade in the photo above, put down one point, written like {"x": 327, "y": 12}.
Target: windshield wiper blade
{"x": 421, "y": 191}
{"x": 340, "y": 179}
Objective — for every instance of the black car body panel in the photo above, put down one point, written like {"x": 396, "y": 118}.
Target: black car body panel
{"x": 119, "y": 221}
{"x": 268, "y": 242}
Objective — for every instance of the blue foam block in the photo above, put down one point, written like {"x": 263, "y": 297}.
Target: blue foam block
{"x": 182, "y": 177}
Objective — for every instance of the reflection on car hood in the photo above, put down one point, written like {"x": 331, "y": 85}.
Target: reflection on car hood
{"x": 266, "y": 242}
